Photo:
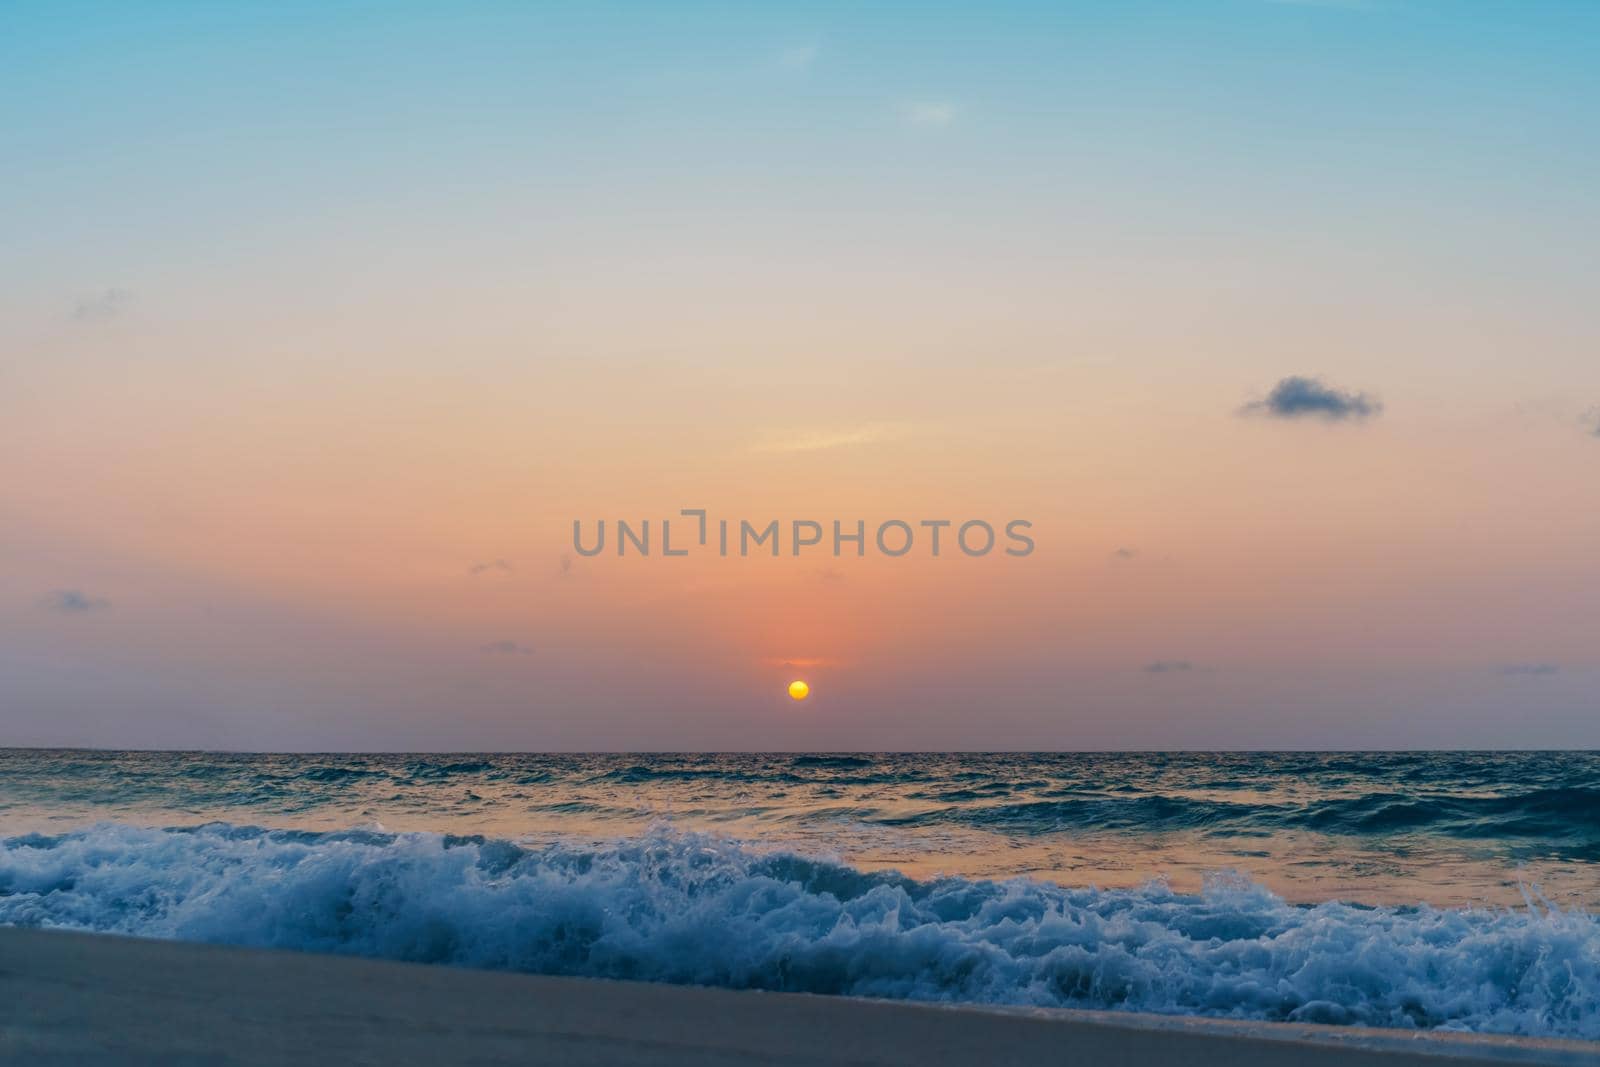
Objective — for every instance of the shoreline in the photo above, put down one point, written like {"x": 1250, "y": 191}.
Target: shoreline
{"x": 69, "y": 997}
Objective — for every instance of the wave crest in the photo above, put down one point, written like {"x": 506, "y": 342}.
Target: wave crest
{"x": 694, "y": 909}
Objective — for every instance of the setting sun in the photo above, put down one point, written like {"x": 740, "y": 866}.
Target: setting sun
{"x": 799, "y": 690}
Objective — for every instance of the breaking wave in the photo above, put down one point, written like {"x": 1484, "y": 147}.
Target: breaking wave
{"x": 695, "y": 909}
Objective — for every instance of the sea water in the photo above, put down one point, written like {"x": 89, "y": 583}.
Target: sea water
{"x": 1444, "y": 890}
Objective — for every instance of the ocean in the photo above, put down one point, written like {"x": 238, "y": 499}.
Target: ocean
{"x": 1414, "y": 890}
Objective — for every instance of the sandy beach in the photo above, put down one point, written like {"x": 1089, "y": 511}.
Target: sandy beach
{"x": 69, "y": 998}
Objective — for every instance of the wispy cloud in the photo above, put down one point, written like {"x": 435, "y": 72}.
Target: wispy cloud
{"x": 1300, "y": 397}
{"x": 1529, "y": 670}
{"x": 799, "y": 57}
{"x": 103, "y": 306}
{"x": 819, "y": 440}
{"x": 506, "y": 648}
{"x": 493, "y": 566}
{"x": 75, "y": 601}
{"x": 928, "y": 113}
{"x": 1591, "y": 421}
{"x": 798, "y": 661}
{"x": 1168, "y": 666}
{"x": 1125, "y": 553}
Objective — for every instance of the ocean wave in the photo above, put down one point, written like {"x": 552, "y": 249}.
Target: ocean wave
{"x": 833, "y": 761}
{"x": 641, "y": 773}
{"x": 695, "y": 909}
{"x": 1560, "y": 821}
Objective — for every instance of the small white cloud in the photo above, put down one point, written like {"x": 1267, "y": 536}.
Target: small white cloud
{"x": 929, "y": 113}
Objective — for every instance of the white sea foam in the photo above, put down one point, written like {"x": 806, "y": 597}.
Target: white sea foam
{"x": 688, "y": 908}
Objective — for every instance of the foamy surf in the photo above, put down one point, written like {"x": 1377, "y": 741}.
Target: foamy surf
{"x": 696, "y": 909}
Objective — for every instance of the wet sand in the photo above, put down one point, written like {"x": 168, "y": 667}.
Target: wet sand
{"x": 68, "y": 998}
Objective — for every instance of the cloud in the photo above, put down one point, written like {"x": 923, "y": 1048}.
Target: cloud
{"x": 494, "y": 566}
{"x": 102, "y": 306}
{"x": 1298, "y": 397}
{"x": 799, "y": 662}
{"x": 799, "y": 57}
{"x": 1530, "y": 670}
{"x": 820, "y": 440}
{"x": 929, "y": 113}
{"x": 1168, "y": 666}
{"x": 506, "y": 648}
{"x": 1125, "y": 553}
{"x": 1591, "y": 421}
{"x": 75, "y": 601}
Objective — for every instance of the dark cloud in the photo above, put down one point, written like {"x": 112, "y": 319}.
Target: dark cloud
{"x": 102, "y": 306}
{"x": 1591, "y": 422}
{"x": 1125, "y": 553}
{"x": 75, "y": 601}
{"x": 1529, "y": 670}
{"x": 494, "y": 566}
{"x": 1297, "y": 397}
{"x": 1168, "y": 666}
{"x": 506, "y": 648}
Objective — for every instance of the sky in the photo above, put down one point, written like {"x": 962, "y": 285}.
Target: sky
{"x": 321, "y": 324}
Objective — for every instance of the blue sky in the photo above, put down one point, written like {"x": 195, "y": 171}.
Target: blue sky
{"x": 310, "y": 308}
